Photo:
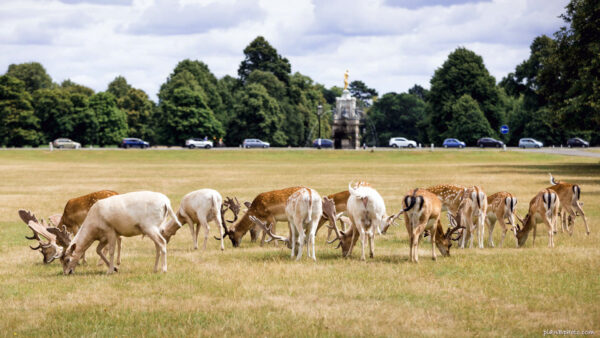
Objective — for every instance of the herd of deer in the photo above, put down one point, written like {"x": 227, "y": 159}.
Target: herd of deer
{"x": 106, "y": 216}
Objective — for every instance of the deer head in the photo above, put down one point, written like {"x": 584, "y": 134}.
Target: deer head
{"x": 67, "y": 258}
{"x": 50, "y": 250}
{"x": 347, "y": 238}
{"x": 521, "y": 232}
{"x": 444, "y": 242}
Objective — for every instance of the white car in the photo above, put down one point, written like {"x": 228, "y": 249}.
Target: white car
{"x": 401, "y": 142}
{"x": 198, "y": 143}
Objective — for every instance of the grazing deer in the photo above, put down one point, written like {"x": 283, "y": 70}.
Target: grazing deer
{"x": 422, "y": 210}
{"x": 366, "y": 210}
{"x": 347, "y": 238}
{"x": 73, "y": 216}
{"x": 464, "y": 204}
{"x": 543, "y": 207}
{"x": 569, "y": 195}
{"x": 132, "y": 214}
{"x": 198, "y": 208}
{"x": 268, "y": 207}
{"x": 501, "y": 207}
{"x": 303, "y": 209}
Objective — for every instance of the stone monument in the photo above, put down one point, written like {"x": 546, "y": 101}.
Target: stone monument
{"x": 346, "y": 120}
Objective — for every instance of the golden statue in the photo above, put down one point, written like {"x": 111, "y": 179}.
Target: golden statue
{"x": 346, "y": 80}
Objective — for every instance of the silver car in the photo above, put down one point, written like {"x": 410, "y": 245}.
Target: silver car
{"x": 61, "y": 143}
{"x": 530, "y": 143}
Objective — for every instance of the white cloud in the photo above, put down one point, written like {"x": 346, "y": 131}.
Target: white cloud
{"x": 388, "y": 44}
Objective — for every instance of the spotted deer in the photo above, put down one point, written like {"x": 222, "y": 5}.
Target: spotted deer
{"x": 464, "y": 204}
{"x": 570, "y": 206}
{"x": 422, "y": 210}
{"x": 501, "y": 208}
{"x": 543, "y": 207}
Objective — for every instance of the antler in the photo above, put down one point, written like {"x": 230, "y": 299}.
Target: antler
{"x": 27, "y": 216}
{"x": 234, "y": 206}
{"x": 226, "y": 231}
{"x": 333, "y": 226}
{"x": 62, "y": 236}
{"x": 263, "y": 225}
{"x": 450, "y": 231}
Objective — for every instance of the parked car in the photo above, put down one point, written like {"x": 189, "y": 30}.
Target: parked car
{"x": 65, "y": 143}
{"x": 530, "y": 143}
{"x": 255, "y": 143}
{"x": 577, "y": 142}
{"x": 401, "y": 142}
{"x": 198, "y": 143}
{"x": 134, "y": 143}
{"x": 453, "y": 143}
{"x": 323, "y": 143}
{"x": 485, "y": 142}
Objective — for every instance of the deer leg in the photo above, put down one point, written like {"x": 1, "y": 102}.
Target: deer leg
{"x": 119, "y": 250}
{"x": 433, "y": 236}
{"x": 292, "y": 239}
{"x": 111, "y": 252}
{"x": 580, "y": 210}
{"x": 480, "y": 231}
{"x": 534, "y": 234}
{"x": 490, "y": 225}
{"x": 362, "y": 241}
{"x": 550, "y": 232}
{"x": 254, "y": 232}
{"x": 99, "y": 250}
{"x": 371, "y": 243}
{"x": 206, "y": 227}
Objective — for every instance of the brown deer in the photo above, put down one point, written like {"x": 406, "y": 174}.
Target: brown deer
{"x": 543, "y": 207}
{"x": 422, "y": 210}
{"x": 471, "y": 202}
{"x": 569, "y": 195}
{"x": 501, "y": 207}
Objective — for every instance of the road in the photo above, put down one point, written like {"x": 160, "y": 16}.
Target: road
{"x": 594, "y": 152}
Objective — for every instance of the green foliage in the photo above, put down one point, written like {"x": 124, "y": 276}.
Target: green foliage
{"x": 112, "y": 121}
{"x": 462, "y": 73}
{"x": 18, "y": 124}
{"x": 257, "y": 115}
{"x": 136, "y": 105}
{"x": 259, "y": 54}
{"x": 395, "y": 115}
{"x": 331, "y": 93}
{"x": 364, "y": 94}
{"x": 54, "y": 109}
{"x": 468, "y": 121}
{"x": 75, "y": 88}
{"x": 33, "y": 74}
{"x": 419, "y": 92}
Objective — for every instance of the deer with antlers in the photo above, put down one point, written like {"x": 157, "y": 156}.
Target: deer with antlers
{"x": 464, "y": 205}
{"x": 501, "y": 208}
{"x": 366, "y": 210}
{"x": 199, "y": 208}
{"x": 73, "y": 215}
{"x": 132, "y": 214}
{"x": 569, "y": 195}
{"x": 303, "y": 209}
{"x": 543, "y": 207}
{"x": 422, "y": 210}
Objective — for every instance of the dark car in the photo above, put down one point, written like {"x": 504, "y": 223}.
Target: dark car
{"x": 577, "y": 142}
{"x": 323, "y": 143}
{"x": 134, "y": 143}
{"x": 255, "y": 143}
{"x": 453, "y": 143}
{"x": 485, "y": 142}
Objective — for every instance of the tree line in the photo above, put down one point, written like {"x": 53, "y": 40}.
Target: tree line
{"x": 551, "y": 96}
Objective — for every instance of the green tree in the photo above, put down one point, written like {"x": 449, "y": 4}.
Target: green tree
{"x": 575, "y": 88}
{"x": 257, "y": 115}
{"x": 419, "y": 92}
{"x": 33, "y": 74}
{"x": 136, "y": 105}
{"x": 112, "y": 122}
{"x": 119, "y": 87}
{"x": 331, "y": 94}
{"x": 18, "y": 124}
{"x": 462, "y": 73}
{"x": 226, "y": 86}
{"x": 85, "y": 121}
{"x": 73, "y": 88}
{"x": 468, "y": 123}
{"x": 364, "y": 94}
{"x": 395, "y": 115}
{"x": 54, "y": 109}
{"x": 259, "y": 54}
{"x": 183, "y": 110}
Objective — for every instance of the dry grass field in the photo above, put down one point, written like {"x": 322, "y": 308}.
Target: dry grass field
{"x": 254, "y": 291}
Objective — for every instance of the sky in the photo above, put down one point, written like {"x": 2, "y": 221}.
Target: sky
{"x": 390, "y": 45}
